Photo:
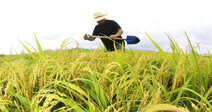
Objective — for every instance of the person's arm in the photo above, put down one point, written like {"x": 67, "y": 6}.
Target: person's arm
{"x": 119, "y": 33}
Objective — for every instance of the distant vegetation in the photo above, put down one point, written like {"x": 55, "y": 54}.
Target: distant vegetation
{"x": 100, "y": 81}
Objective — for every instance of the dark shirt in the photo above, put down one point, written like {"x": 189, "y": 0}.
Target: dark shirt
{"x": 109, "y": 27}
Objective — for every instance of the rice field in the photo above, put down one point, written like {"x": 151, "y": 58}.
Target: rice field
{"x": 101, "y": 81}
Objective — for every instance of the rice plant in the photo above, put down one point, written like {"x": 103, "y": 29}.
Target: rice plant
{"x": 100, "y": 81}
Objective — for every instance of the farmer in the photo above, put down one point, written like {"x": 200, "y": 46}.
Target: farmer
{"x": 108, "y": 28}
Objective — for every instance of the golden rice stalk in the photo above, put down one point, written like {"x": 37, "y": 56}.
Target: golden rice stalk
{"x": 177, "y": 80}
{"x": 1, "y": 88}
{"x": 194, "y": 106}
{"x": 208, "y": 109}
{"x": 114, "y": 67}
{"x": 162, "y": 75}
{"x": 143, "y": 101}
{"x": 202, "y": 63}
{"x": 20, "y": 75}
{"x": 141, "y": 63}
{"x": 40, "y": 71}
{"x": 112, "y": 107}
{"x": 32, "y": 80}
{"x": 164, "y": 107}
{"x": 8, "y": 90}
{"x": 119, "y": 109}
{"x": 63, "y": 45}
{"x": 47, "y": 103}
{"x": 156, "y": 98}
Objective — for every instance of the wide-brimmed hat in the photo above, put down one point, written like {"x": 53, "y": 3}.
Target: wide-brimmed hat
{"x": 98, "y": 16}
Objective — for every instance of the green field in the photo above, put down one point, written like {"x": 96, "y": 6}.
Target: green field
{"x": 101, "y": 81}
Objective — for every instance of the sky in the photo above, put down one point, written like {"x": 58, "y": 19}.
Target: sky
{"x": 53, "y": 21}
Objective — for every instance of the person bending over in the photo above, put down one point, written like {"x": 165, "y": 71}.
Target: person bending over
{"x": 108, "y": 28}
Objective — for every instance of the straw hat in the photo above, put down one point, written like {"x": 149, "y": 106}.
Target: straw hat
{"x": 98, "y": 16}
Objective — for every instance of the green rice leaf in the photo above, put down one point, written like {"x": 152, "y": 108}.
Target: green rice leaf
{"x": 182, "y": 90}
{"x": 204, "y": 99}
{"x": 33, "y": 56}
{"x": 162, "y": 53}
{"x": 3, "y": 108}
{"x": 39, "y": 46}
{"x": 196, "y": 63}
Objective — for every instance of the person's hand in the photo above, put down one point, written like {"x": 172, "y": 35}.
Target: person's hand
{"x": 85, "y": 37}
{"x": 113, "y": 36}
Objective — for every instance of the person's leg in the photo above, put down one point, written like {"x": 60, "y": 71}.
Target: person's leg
{"x": 119, "y": 46}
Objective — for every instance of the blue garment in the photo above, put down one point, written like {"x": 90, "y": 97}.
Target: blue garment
{"x": 119, "y": 46}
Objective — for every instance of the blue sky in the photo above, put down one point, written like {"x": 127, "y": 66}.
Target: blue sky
{"x": 55, "y": 20}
